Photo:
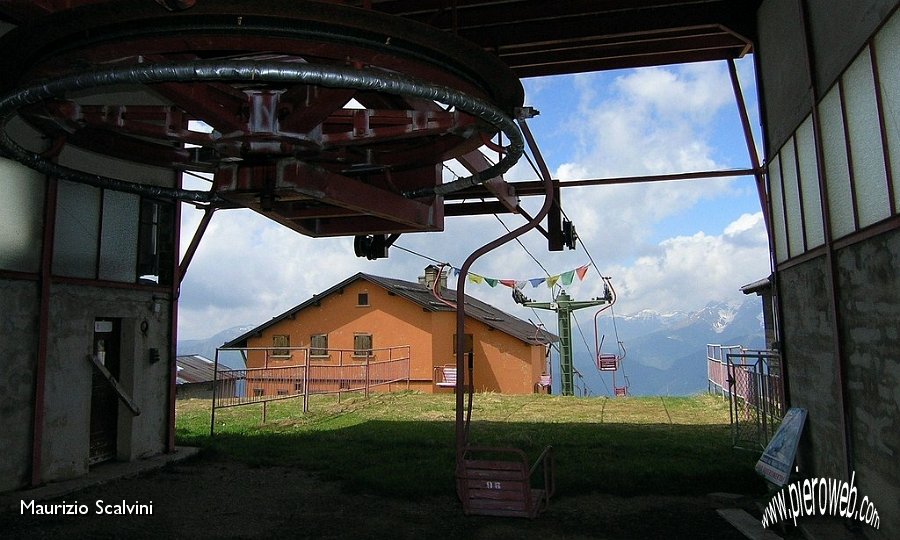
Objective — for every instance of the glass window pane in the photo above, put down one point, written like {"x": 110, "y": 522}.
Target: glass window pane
{"x": 888, "y": 67}
{"x": 118, "y": 237}
{"x": 837, "y": 171}
{"x": 77, "y": 230}
{"x": 781, "y": 248}
{"x": 809, "y": 185}
{"x": 866, "y": 151}
{"x": 792, "y": 198}
{"x": 21, "y": 217}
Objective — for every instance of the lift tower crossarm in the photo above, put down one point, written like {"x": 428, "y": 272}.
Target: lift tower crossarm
{"x": 564, "y": 306}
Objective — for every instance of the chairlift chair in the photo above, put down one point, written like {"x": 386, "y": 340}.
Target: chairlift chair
{"x": 445, "y": 376}
{"x": 607, "y": 362}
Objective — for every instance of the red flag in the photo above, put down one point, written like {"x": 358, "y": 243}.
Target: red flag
{"x": 581, "y": 271}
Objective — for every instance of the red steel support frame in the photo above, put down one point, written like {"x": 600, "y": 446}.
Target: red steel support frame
{"x": 832, "y": 283}
{"x": 173, "y": 332}
{"x": 195, "y": 241}
{"x": 40, "y": 370}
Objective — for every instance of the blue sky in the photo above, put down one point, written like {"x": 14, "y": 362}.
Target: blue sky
{"x": 668, "y": 246}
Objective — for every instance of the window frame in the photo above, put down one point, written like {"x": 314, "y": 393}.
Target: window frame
{"x": 281, "y": 350}
{"x": 318, "y": 351}
{"x": 362, "y": 299}
{"x": 360, "y": 352}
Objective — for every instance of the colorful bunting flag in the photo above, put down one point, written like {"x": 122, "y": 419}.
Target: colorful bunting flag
{"x": 564, "y": 279}
{"x": 581, "y": 271}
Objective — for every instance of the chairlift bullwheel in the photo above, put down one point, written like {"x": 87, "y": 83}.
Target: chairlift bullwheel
{"x": 369, "y": 133}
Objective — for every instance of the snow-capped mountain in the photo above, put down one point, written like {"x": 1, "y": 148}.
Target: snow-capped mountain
{"x": 666, "y": 353}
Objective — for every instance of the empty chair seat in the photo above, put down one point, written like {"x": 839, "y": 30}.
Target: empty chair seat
{"x": 498, "y": 482}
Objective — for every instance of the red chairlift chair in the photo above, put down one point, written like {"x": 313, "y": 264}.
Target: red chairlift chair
{"x": 607, "y": 362}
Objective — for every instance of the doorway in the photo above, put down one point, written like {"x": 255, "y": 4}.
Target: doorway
{"x": 104, "y": 401}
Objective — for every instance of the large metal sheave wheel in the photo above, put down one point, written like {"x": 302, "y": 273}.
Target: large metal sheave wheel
{"x": 325, "y": 154}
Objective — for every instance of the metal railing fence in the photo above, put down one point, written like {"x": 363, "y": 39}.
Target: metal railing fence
{"x": 296, "y": 373}
{"x": 751, "y": 381}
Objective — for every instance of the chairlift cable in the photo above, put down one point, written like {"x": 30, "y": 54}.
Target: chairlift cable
{"x": 535, "y": 259}
{"x": 586, "y": 346}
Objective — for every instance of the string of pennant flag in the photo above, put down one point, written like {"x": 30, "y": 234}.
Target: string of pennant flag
{"x": 566, "y": 279}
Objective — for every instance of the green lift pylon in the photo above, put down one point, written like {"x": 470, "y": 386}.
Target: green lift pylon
{"x": 563, "y": 306}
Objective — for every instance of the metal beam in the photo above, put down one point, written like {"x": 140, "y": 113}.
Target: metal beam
{"x": 290, "y": 177}
{"x": 525, "y": 189}
{"x": 195, "y": 241}
{"x": 40, "y": 370}
{"x": 475, "y": 208}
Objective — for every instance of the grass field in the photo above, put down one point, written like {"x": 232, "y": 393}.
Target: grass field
{"x": 401, "y": 445}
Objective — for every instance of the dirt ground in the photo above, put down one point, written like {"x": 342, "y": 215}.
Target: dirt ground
{"x": 218, "y": 498}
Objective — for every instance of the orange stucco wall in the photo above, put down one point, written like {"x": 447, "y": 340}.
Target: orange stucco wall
{"x": 502, "y": 363}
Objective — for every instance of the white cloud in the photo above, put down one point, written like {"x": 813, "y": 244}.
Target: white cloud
{"x": 687, "y": 272}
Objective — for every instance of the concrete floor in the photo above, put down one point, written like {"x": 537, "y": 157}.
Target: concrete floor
{"x": 100, "y": 474}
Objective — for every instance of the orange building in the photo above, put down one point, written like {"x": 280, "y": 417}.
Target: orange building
{"x": 368, "y": 318}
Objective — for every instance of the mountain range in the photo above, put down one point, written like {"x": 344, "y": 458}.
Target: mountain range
{"x": 207, "y": 347}
{"x": 663, "y": 353}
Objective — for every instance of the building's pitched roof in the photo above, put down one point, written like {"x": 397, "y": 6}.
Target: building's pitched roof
{"x": 761, "y": 287}
{"x": 197, "y": 369}
{"x": 421, "y": 295}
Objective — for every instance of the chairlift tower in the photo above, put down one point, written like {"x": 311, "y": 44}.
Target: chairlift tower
{"x": 563, "y": 306}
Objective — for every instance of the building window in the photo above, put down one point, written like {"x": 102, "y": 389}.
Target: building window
{"x": 318, "y": 345}
{"x": 280, "y": 344}
{"x": 282, "y": 392}
{"x": 298, "y": 387}
{"x": 156, "y": 242}
{"x": 362, "y": 299}
{"x": 469, "y": 343}
{"x": 258, "y": 392}
{"x": 113, "y": 236}
{"x": 362, "y": 344}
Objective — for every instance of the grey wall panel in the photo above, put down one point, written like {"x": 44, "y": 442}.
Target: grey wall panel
{"x": 18, "y": 341}
{"x": 809, "y": 354}
{"x": 785, "y": 80}
{"x": 840, "y": 28}
{"x": 870, "y": 309}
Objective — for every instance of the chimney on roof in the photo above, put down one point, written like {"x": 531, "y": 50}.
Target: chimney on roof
{"x": 431, "y": 272}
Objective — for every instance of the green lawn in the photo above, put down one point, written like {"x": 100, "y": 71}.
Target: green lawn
{"x": 401, "y": 444}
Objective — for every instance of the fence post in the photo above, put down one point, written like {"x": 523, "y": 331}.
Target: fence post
{"x": 306, "y": 387}
{"x": 368, "y": 356}
{"x": 212, "y": 414}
